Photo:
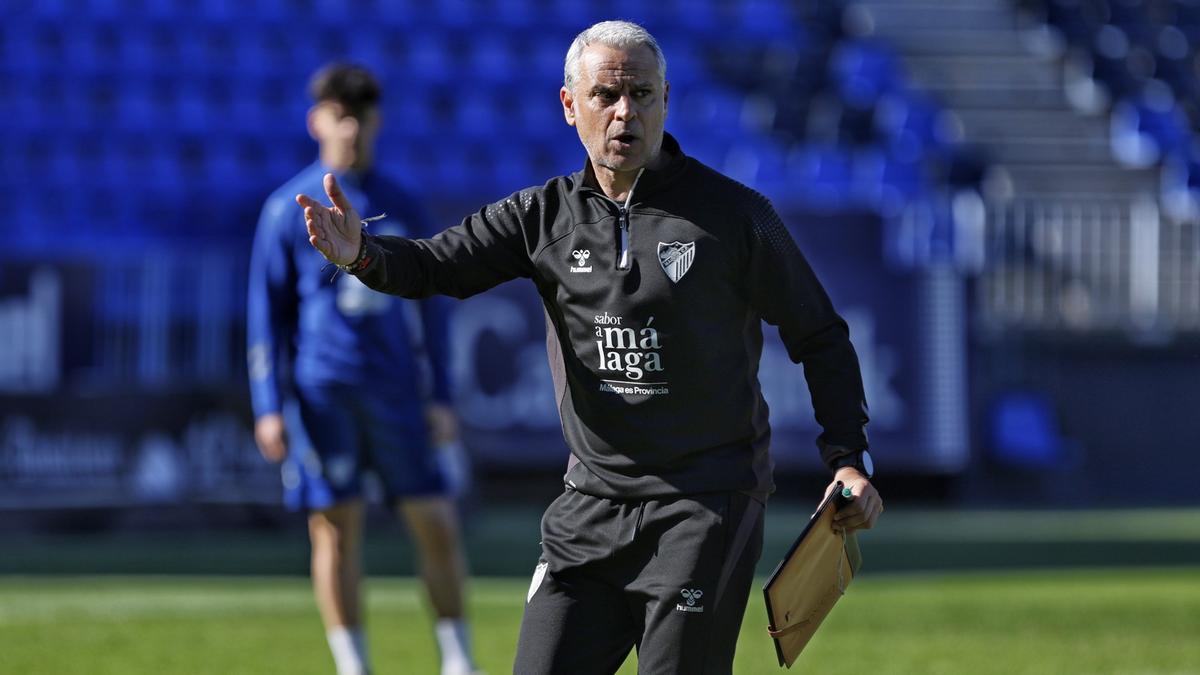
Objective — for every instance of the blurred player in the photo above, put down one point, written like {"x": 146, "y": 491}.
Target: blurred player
{"x": 364, "y": 387}
{"x": 656, "y": 273}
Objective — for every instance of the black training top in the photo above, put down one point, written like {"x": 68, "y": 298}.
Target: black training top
{"x": 654, "y": 312}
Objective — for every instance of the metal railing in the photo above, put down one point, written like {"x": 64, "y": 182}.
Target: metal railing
{"x": 1089, "y": 266}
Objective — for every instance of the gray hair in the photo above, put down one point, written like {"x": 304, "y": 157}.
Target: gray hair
{"x": 616, "y": 34}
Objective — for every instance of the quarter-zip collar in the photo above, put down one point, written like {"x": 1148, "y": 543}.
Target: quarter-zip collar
{"x": 649, "y": 181}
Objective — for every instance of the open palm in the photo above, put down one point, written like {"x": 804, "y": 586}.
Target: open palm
{"x": 335, "y": 231}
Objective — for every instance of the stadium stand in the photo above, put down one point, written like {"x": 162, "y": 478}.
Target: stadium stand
{"x": 209, "y": 81}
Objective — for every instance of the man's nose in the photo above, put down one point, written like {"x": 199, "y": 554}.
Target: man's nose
{"x": 624, "y": 108}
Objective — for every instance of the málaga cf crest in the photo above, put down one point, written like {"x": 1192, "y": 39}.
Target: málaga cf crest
{"x": 676, "y": 258}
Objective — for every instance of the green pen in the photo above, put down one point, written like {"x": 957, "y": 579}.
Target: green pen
{"x": 847, "y": 493}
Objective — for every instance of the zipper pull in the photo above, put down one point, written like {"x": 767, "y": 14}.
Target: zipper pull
{"x": 624, "y": 259}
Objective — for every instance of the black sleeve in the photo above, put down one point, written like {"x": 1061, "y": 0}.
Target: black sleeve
{"x": 783, "y": 288}
{"x": 486, "y": 249}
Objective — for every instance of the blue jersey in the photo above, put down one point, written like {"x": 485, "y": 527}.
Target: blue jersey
{"x": 310, "y": 324}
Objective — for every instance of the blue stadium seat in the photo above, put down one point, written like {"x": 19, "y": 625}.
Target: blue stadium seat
{"x": 88, "y": 47}
{"x": 760, "y": 163}
{"x": 864, "y": 70}
{"x": 492, "y": 57}
{"x": 575, "y": 15}
{"x": 1159, "y": 117}
{"x": 260, "y": 50}
{"x": 23, "y": 45}
{"x": 1173, "y": 53}
{"x": 544, "y": 59}
{"x": 764, "y": 19}
{"x": 696, "y": 18}
{"x": 538, "y": 118}
{"x": 913, "y": 117}
{"x": 821, "y": 175}
{"x": 457, "y": 15}
{"x": 1110, "y": 62}
{"x": 510, "y": 14}
{"x": 136, "y": 107}
{"x": 1133, "y": 16}
{"x": 713, "y": 111}
{"x": 1077, "y": 22}
{"x": 453, "y": 168}
{"x": 51, "y": 9}
{"x": 475, "y": 116}
{"x": 430, "y": 59}
{"x": 409, "y": 110}
{"x": 512, "y": 171}
{"x": 903, "y": 176}
{"x": 685, "y": 64}
{"x": 1024, "y": 432}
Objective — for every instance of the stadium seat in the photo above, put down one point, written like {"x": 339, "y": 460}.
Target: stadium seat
{"x": 492, "y": 58}
{"x": 714, "y": 111}
{"x": 429, "y": 58}
{"x": 1024, "y": 432}
{"x": 698, "y": 18}
{"x": 760, "y": 163}
{"x": 1110, "y": 62}
{"x": 1077, "y": 21}
{"x": 1147, "y": 126}
{"x": 512, "y": 14}
{"x": 821, "y": 175}
{"x": 1173, "y": 53}
{"x": 409, "y": 112}
{"x": 863, "y": 70}
{"x": 907, "y": 117}
{"x": 136, "y": 107}
{"x": 764, "y": 20}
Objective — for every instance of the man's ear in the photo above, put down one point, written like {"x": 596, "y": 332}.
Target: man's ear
{"x": 568, "y": 103}
{"x": 666, "y": 97}
{"x": 311, "y": 122}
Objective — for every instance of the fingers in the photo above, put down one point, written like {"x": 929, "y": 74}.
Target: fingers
{"x": 334, "y": 191}
{"x": 308, "y": 202}
{"x": 859, "y": 514}
{"x": 316, "y": 221}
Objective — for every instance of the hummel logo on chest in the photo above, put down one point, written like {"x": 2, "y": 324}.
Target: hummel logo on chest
{"x": 581, "y": 257}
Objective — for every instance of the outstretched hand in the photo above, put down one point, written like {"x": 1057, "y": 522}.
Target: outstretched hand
{"x": 334, "y": 231}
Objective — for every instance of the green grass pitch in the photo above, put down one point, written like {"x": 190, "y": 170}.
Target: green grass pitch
{"x": 1129, "y": 621}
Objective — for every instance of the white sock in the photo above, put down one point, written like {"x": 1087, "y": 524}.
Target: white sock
{"x": 456, "y": 650}
{"x": 349, "y": 648}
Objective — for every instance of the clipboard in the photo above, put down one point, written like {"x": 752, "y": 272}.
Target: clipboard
{"x": 810, "y": 579}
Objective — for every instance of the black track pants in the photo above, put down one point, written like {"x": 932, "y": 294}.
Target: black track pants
{"x": 670, "y": 576}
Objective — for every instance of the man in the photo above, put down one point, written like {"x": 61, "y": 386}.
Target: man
{"x": 655, "y": 273}
{"x": 368, "y": 383}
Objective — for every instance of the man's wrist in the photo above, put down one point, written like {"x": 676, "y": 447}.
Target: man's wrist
{"x": 859, "y": 460}
{"x": 362, "y": 260}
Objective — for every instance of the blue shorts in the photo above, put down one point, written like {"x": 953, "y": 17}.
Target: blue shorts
{"x": 337, "y": 433}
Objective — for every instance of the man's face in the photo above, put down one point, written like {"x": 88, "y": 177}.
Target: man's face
{"x": 618, "y": 104}
{"x": 348, "y": 138}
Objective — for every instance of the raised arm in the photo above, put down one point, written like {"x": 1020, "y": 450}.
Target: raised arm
{"x": 487, "y": 248}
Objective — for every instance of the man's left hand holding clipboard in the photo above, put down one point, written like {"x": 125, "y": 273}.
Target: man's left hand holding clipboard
{"x": 865, "y": 503}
